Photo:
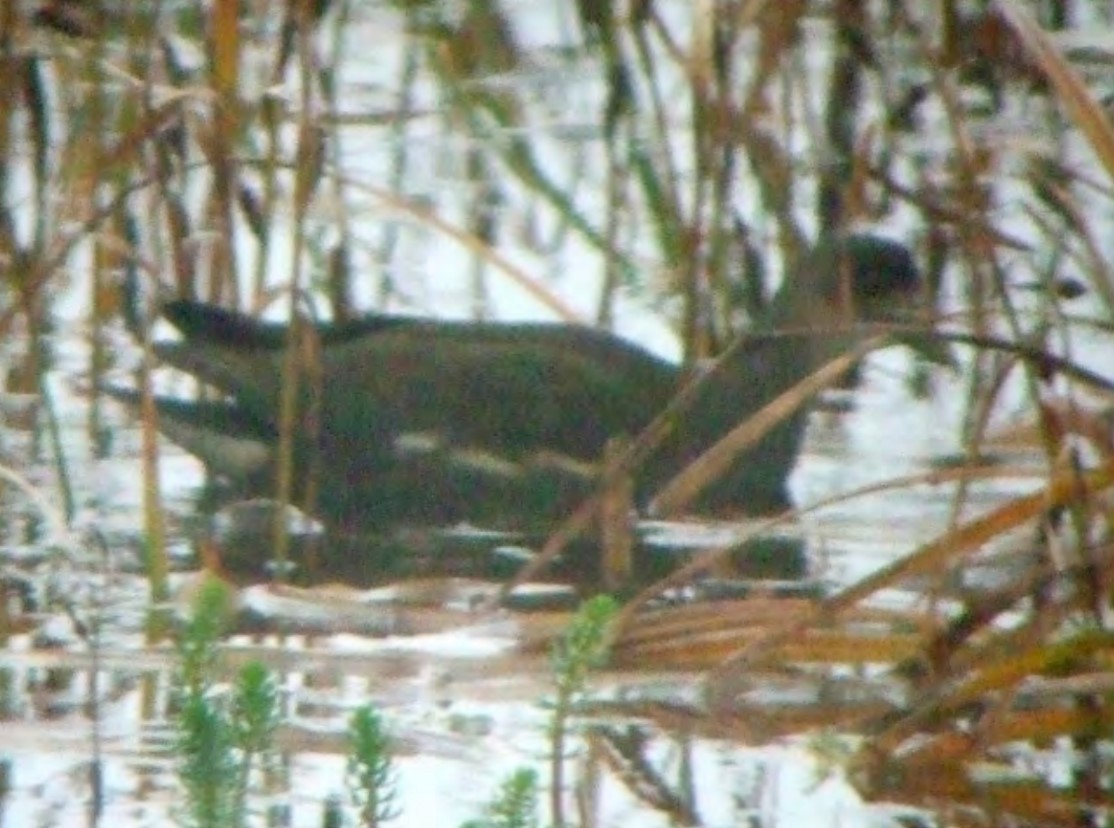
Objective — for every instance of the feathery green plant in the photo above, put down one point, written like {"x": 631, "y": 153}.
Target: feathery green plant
{"x": 515, "y": 806}
{"x": 372, "y": 778}
{"x": 207, "y": 763}
{"x": 582, "y": 649}
{"x": 221, "y": 737}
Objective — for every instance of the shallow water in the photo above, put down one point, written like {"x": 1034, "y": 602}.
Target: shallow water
{"x": 452, "y": 707}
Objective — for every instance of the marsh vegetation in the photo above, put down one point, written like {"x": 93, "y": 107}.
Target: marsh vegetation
{"x": 648, "y": 168}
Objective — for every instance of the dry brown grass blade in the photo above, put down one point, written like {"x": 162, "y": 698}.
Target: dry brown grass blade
{"x": 704, "y": 650}
{"x": 929, "y": 786}
{"x": 671, "y": 717}
{"x": 624, "y": 752}
{"x": 948, "y": 653}
{"x": 675, "y": 621}
{"x": 1081, "y": 106}
{"x": 699, "y": 636}
{"x": 1007, "y": 672}
{"x": 1065, "y": 589}
{"x": 999, "y": 679}
{"x": 635, "y": 455}
{"x": 1048, "y": 362}
{"x": 793, "y": 720}
{"x": 713, "y": 463}
{"x": 1091, "y": 256}
{"x": 1039, "y": 726}
{"x": 616, "y": 529}
{"x": 474, "y": 244}
{"x": 225, "y": 57}
{"x": 1072, "y": 92}
{"x": 154, "y": 523}
{"x": 771, "y": 161}
{"x": 931, "y": 558}
{"x": 707, "y": 559}
{"x": 683, "y": 638}
{"x": 756, "y": 723}
{"x": 127, "y": 150}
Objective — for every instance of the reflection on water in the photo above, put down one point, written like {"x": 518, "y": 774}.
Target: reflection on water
{"x": 50, "y": 694}
{"x": 54, "y": 687}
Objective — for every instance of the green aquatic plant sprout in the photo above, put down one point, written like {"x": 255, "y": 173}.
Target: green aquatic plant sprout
{"x": 515, "y": 806}
{"x": 582, "y": 649}
{"x": 221, "y": 737}
{"x": 206, "y": 764}
{"x": 372, "y": 778}
{"x": 198, "y": 637}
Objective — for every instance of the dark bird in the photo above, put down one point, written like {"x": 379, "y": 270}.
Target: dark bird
{"x": 417, "y": 423}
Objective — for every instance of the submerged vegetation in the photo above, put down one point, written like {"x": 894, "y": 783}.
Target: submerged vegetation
{"x": 596, "y": 162}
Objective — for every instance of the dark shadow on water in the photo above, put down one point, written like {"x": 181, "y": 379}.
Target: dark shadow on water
{"x": 244, "y": 549}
